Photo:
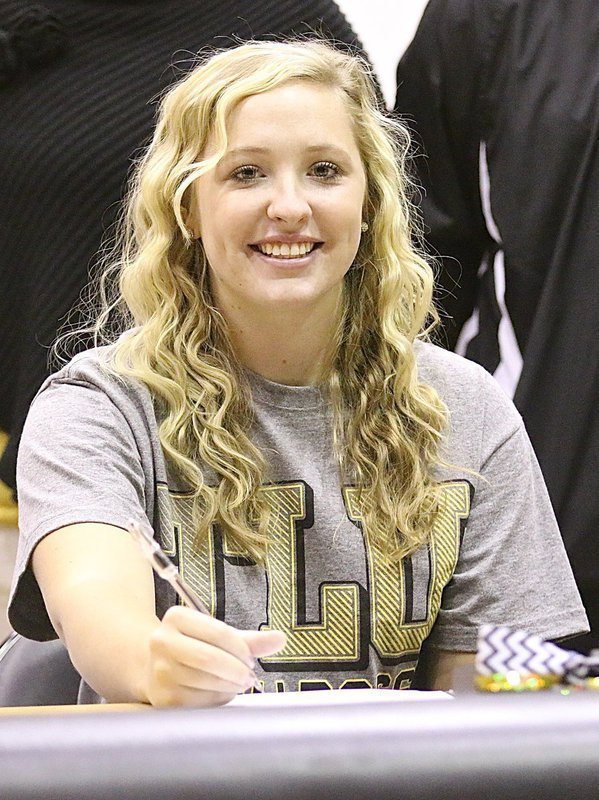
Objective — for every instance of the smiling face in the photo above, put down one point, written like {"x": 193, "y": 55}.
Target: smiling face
{"x": 280, "y": 214}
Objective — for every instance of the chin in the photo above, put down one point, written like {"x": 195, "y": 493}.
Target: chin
{"x": 289, "y": 297}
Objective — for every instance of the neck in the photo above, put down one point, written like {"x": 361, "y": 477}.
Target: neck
{"x": 289, "y": 347}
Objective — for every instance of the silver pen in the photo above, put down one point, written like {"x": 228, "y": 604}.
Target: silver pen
{"x": 165, "y": 568}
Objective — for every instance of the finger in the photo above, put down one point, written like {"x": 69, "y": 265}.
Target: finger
{"x": 200, "y": 680}
{"x": 210, "y": 630}
{"x": 264, "y": 643}
{"x": 172, "y": 648}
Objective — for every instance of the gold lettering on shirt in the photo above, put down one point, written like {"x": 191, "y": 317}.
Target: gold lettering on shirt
{"x": 391, "y": 633}
{"x": 196, "y": 559}
{"x": 335, "y": 637}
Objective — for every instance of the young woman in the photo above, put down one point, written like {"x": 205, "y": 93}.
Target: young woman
{"x": 337, "y": 491}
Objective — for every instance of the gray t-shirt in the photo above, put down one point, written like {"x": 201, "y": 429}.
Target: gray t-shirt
{"x": 90, "y": 452}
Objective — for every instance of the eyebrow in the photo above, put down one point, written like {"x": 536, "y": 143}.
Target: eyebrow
{"x": 242, "y": 151}
{"x": 313, "y": 148}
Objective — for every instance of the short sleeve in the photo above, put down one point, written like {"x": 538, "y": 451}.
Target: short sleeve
{"x": 79, "y": 461}
{"x": 512, "y": 567}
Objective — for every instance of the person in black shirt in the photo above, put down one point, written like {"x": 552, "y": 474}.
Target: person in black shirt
{"x": 504, "y": 98}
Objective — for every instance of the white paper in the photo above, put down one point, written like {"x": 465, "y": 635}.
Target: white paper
{"x": 334, "y": 697}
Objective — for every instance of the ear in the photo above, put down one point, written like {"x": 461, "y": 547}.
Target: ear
{"x": 189, "y": 213}
{"x": 191, "y": 223}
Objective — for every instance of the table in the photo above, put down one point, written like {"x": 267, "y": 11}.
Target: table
{"x": 523, "y": 747}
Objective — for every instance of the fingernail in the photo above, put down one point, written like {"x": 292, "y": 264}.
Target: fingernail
{"x": 252, "y": 681}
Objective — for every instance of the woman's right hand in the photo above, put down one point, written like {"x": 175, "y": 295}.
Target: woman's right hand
{"x": 99, "y": 593}
{"x": 196, "y": 660}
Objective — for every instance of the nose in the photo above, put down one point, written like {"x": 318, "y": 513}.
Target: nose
{"x": 288, "y": 203}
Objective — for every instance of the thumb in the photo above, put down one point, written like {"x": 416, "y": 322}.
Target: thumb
{"x": 264, "y": 643}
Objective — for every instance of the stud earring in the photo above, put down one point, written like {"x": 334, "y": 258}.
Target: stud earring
{"x": 364, "y": 227}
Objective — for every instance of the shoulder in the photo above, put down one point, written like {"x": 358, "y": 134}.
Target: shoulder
{"x": 88, "y": 363}
{"x": 459, "y": 381}
{"x": 436, "y": 362}
{"x": 90, "y": 380}
{"x": 96, "y": 368}
{"x": 481, "y": 415}
{"x": 453, "y": 376}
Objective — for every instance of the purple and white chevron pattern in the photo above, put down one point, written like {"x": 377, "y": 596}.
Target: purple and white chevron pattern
{"x": 501, "y": 650}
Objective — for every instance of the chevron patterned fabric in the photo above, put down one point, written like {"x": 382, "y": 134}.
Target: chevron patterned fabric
{"x": 502, "y": 650}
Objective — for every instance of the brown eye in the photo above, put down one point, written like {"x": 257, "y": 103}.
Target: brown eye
{"x": 246, "y": 174}
{"x": 325, "y": 170}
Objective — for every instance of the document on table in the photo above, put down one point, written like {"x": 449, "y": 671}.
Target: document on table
{"x": 334, "y": 697}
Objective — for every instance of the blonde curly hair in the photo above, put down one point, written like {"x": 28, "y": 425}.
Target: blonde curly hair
{"x": 387, "y": 425}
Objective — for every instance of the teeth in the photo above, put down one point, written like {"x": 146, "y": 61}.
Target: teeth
{"x": 284, "y": 250}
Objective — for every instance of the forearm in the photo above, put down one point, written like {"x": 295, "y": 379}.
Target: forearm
{"x": 99, "y": 594}
{"x": 108, "y": 639}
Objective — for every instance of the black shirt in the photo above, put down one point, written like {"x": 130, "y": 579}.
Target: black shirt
{"x": 520, "y": 78}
